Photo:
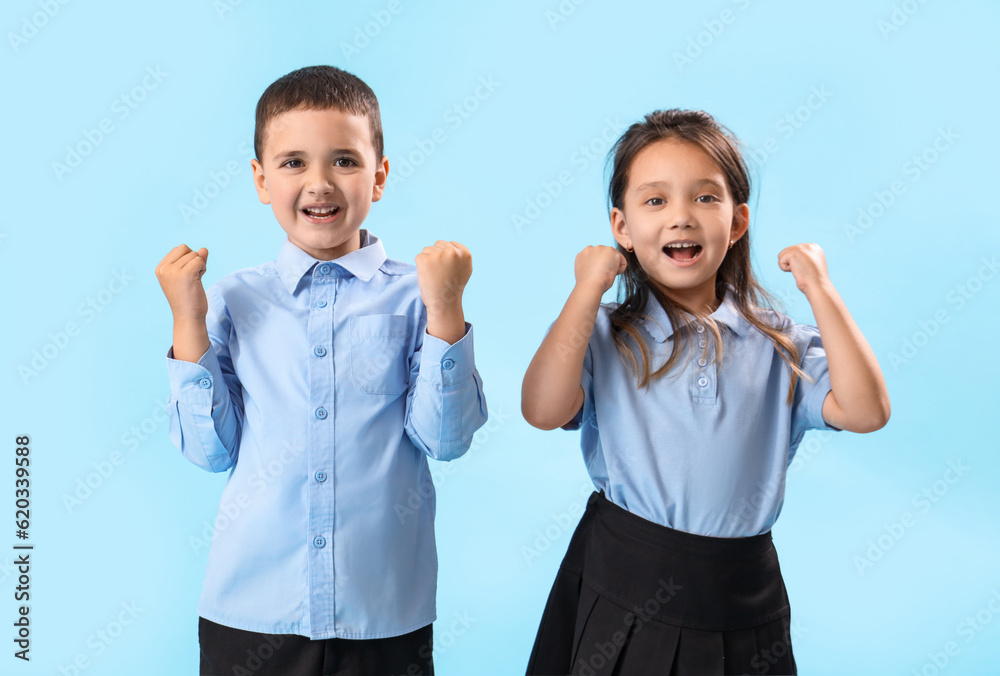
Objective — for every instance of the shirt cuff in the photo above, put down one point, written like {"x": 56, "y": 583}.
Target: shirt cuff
{"x": 194, "y": 383}
{"x": 814, "y": 405}
{"x": 574, "y": 424}
{"x": 444, "y": 364}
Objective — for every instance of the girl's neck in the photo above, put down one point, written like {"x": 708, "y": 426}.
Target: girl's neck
{"x": 700, "y": 305}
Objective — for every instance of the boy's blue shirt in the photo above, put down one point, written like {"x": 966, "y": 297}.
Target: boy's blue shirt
{"x": 323, "y": 395}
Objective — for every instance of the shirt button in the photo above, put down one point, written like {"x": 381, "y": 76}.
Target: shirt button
{"x": 204, "y": 383}
{"x": 321, "y": 413}
{"x": 701, "y": 343}
{"x": 324, "y": 269}
{"x": 320, "y": 351}
{"x": 320, "y": 475}
{"x": 703, "y": 381}
{"x": 702, "y": 361}
{"x": 321, "y": 303}
{"x": 448, "y": 363}
{"x": 700, "y": 329}
{"x": 319, "y": 541}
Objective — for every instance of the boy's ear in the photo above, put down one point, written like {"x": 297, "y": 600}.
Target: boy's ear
{"x": 381, "y": 174}
{"x": 741, "y": 221}
{"x": 619, "y": 228}
{"x": 260, "y": 182}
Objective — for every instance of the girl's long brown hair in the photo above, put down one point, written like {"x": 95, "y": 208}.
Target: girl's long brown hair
{"x": 700, "y": 129}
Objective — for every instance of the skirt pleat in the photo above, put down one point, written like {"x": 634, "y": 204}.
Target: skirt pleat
{"x": 740, "y": 646}
{"x": 557, "y": 638}
{"x": 774, "y": 649}
{"x": 651, "y": 649}
{"x": 700, "y": 652}
{"x": 633, "y": 598}
{"x": 584, "y": 628}
{"x": 606, "y": 631}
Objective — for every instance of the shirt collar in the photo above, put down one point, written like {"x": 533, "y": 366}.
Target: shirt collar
{"x": 659, "y": 327}
{"x": 294, "y": 263}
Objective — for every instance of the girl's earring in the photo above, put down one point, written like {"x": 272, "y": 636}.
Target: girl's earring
{"x": 731, "y": 242}
{"x": 629, "y": 248}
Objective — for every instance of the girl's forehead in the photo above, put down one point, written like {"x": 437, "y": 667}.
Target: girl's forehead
{"x": 672, "y": 161}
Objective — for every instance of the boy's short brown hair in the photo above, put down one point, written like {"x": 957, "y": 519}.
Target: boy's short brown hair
{"x": 318, "y": 87}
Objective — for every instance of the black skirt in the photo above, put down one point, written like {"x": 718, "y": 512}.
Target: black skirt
{"x": 635, "y": 597}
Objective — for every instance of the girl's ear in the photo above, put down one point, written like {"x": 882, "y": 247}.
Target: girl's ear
{"x": 741, "y": 221}
{"x": 619, "y": 228}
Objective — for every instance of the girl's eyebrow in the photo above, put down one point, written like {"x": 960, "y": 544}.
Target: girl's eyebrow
{"x": 710, "y": 182}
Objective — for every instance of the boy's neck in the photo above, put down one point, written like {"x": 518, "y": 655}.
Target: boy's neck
{"x": 334, "y": 254}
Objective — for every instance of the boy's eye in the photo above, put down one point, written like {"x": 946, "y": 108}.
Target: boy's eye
{"x": 288, "y": 163}
{"x": 343, "y": 162}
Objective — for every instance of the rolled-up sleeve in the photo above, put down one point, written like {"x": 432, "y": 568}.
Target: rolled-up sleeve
{"x": 445, "y": 401}
{"x": 807, "y": 405}
{"x": 205, "y": 406}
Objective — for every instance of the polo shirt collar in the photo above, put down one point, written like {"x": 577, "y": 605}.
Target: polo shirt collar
{"x": 293, "y": 263}
{"x": 659, "y": 327}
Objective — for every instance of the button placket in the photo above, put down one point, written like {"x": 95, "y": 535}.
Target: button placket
{"x": 320, "y": 451}
{"x": 704, "y": 379}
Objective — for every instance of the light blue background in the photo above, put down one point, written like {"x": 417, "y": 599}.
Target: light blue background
{"x": 506, "y": 510}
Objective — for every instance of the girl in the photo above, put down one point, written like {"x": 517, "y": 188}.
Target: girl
{"x": 692, "y": 398}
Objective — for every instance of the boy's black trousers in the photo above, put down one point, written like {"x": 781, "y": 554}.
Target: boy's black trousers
{"x": 226, "y": 651}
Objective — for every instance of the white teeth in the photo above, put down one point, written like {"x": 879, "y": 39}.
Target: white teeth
{"x": 681, "y": 245}
{"x": 325, "y": 211}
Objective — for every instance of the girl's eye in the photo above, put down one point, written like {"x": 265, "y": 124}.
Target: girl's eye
{"x": 709, "y": 198}
{"x": 655, "y": 201}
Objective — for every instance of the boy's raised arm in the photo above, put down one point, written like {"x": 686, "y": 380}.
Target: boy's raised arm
{"x": 551, "y": 393}
{"x": 179, "y": 274}
{"x": 204, "y": 410}
{"x": 445, "y": 403}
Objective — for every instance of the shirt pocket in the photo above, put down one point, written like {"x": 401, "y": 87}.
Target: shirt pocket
{"x": 379, "y": 360}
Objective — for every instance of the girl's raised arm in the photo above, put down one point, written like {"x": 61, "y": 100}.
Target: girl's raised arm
{"x": 858, "y": 399}
{"x": 551, "y": 393}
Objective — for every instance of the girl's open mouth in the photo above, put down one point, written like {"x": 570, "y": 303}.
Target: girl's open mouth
{"x": 683, "y": 252}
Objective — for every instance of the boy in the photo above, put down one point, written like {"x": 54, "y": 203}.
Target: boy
{"x": 322, "y": 380}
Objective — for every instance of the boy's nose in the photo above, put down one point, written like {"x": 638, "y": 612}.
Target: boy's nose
{"x": 319, "y": 182}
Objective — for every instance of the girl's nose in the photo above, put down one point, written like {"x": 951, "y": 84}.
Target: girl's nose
{"x": 680, "y": 217}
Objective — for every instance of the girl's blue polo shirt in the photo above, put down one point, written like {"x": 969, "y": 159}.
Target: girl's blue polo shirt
{"x": 704, "y": 449}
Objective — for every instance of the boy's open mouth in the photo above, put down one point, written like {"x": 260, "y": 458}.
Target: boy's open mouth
{"x": 321, "y": 213}
{"x": 682, "y": 251}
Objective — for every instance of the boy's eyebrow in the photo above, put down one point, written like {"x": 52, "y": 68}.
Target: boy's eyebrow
{"x": 299, "y": 153}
